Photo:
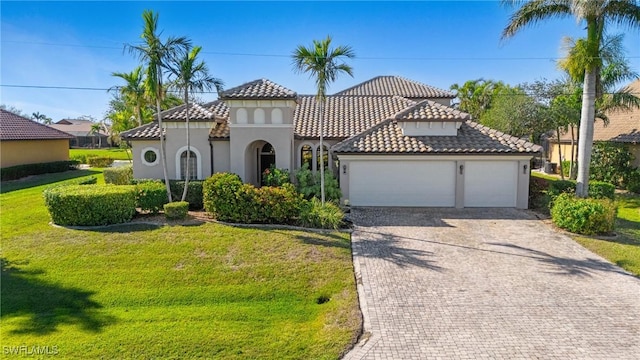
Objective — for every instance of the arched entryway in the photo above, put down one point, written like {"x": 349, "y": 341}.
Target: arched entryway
{"x": 260, "y": 155}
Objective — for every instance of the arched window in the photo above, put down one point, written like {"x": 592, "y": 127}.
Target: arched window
{"x": 322, "y": 158}
{"x": 306, "y": 156}
{"x": 193, "y": 165}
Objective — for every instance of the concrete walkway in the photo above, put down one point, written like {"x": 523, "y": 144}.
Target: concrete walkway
{"x": 486, "y": 284}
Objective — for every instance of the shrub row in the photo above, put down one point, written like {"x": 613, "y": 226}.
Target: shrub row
{"x": 584, "y": 216}
{"x": 118, "y": 175}
{"x": 151, "y": 196}
{"x": 597, "y": 189}
{"x": 228, "y": 199}
{"x": 176, "y": 210}
{"x": 194, "y": 193}
{"x": 20, "y": 171}
{"x": 99, "y": 161}
{"x": 90, "y": 205}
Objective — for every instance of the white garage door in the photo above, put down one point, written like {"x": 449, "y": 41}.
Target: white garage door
{"x": 490, "y": 183}
{"x": 402, "y": 183}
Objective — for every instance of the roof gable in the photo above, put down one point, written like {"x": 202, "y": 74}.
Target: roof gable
{"x": 211, "y": 111}
{"x": 16, "y": 127}
{"x": 428, "y": 110}
{"x": 396, "y": 85}
{"x": 261, "y": 89}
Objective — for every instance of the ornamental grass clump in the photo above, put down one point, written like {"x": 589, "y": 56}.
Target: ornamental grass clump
{"x": 81, "y": 205}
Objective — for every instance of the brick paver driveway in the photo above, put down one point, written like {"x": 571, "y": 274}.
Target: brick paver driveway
{"x": 486, "y": 284}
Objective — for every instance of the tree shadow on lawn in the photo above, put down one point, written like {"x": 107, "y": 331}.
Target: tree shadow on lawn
{"x": 47, "y": 306}
{"x": 565, "y": 265}
{"x": 43, "y": 179}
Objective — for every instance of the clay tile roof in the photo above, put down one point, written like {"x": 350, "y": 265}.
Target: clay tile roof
{"x": 396, "y": 85}
{"x": 149, "y": 131}
{"x": 262, "y": 89}
{"x": 472, "y": 138}
{"x": 345, "y": 116}
{"x": 16, "y": 127}
{"x": 220, "y": 131}
{"x": 427, "y": 110}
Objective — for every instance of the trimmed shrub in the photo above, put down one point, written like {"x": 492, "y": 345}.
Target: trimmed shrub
{"x": 194, "y": 192}
{"x": 99, "y": 161}
{"x": 118, "y": 175}
{"x": 314, "y": 215}
{"x": 90, "y": 205}
{"x": 275, "y": 177}
{"x": 584, "y": 216}
{"x": 219, "y": 194}
{"x": 276, "y": 205}
{"x": 80, "y": 158}
{"x": 90, "y": 180}
{"x": 601, "y": 190}
{"x": 176, "y": 210}
{"x": 308, "y": 184}
{"x": 631, "y": 182}
{"x": 610, "y": 162}
{"x": 20, "y": 171}
{"x": 151, "y": 196}
{"x": 538, "y": 198}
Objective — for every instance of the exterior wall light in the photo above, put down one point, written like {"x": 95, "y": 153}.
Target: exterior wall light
{"x": 344, "y": 168}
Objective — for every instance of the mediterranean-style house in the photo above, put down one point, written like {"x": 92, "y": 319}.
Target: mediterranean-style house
{"x": 83, "y": 136}
{"x": 391, "y": 141}
{"x": 24, "y": 141}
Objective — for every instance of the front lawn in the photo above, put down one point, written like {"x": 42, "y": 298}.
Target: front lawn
{"x": 115, "y": 153}
{"x": 141, "y": 291}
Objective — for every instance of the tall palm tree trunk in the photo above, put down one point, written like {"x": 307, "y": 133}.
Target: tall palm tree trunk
{"x": 586, "y": 132}
{"x": 560, "y": 153}
{"x": 163, "y": 155}
{"x": 187, "y": 168}
{"x": 572, "y": 167}
{"x": 322, "y": 151}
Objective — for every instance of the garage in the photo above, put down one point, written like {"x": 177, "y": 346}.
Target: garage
{"x": 490, "y": 183}
{"x": 402, "y": 183}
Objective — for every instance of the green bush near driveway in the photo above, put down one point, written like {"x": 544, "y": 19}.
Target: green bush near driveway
{"x": 315, "y": 215}
{"x": 584, "y": 216}
{"x": 80, "y": 205}
{"x": 176, "y": 210}
{"x": 118, "y": 175}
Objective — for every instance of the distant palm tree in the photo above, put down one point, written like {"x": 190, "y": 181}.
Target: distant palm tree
{"x": 596, "y": 15}
{"x": 37, "y": 116}
{"x": 133, "y": 92}
{"x": 191, "y": 75}
{"x": 96, "y": 128}
{"x": 321, "y": 62}
{"x": 155, "y": 54}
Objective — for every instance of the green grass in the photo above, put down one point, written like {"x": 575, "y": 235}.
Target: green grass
{"x": 624, "y": 250}
{"x": 116, "y": 154}
{"x": 545, "y": 176}
{"x": 203, "y": 291}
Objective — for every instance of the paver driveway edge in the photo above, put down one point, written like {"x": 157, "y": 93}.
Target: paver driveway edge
{"x": 494, "y": 283}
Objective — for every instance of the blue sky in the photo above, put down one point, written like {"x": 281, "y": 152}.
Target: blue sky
{"x": 79, "y": 44}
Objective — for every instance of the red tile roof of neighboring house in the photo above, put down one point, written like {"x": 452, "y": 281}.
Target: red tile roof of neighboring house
{"x": 16, "y": 127}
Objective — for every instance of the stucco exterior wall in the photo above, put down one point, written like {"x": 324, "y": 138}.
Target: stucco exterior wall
{"x": 221, "y": 156}
{"x": 142, "y": 170}
{"x": 554, "y": 154}
{"x": 176, "y": 144}
{"x": 19, "y": 152}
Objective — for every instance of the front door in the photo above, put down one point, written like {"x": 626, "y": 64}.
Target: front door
{"x": 266, "y": 158}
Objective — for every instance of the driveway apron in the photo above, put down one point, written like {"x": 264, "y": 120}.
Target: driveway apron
{"x": 486, "y": 284}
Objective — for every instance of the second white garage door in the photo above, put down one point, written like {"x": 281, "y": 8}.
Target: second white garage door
{"x": 490, "y": 183}
{"x": 402, "y": 183}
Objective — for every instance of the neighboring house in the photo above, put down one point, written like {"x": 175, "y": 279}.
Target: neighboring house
{"x": 81, "y": 131}
{"x": 623, "y": 127}
{"x": 24, "y": 141}
{"x": 393, "y": 142}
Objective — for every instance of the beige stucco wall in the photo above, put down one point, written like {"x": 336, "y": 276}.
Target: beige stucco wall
{"x": 19, "y": 152}
{"x": 221, "y": 156}
{"x": 554, "y": 155}
{"x": 140, "y": 169}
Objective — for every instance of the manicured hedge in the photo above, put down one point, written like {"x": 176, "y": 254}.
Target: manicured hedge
{"x": 176, "y": 210}
{"x": 151, "y": 196}
{"x": 194, "y": 194}
{"x": 601, "y": 190}
{"x": 20, "y": 171}
{"x": 99, "y": 161}
{"x": 90, "y": 205}
{"x": 118, "y": 175}
{"x": 584, "y": 216}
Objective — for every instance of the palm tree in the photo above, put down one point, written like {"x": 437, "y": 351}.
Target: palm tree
{"x": 321, "y": 62}
{"x": 596, "y": 15}
{"x": 37, "y": 116}
{"x": 95, "y": 131}
{"x": 133, "y": 92}
{"x": 155, "y": 54}
{"x": 191, "y": 75}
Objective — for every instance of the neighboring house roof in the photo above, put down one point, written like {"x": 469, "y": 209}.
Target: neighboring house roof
{"x": 344, "y": 116}
{"x": 77, "y": 127}
{"x": 16, "y": 127}
{"x": 472, "y": 138}
{"x": 262, "y": 89}
{"x": 215, "y": 110}
{"x": 396, "y": 85}
{"x": 427, "y": 110}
